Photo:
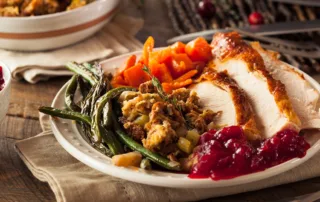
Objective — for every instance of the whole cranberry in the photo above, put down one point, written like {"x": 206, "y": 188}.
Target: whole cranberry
{"x": 256, "y": 18}
{"x": 233, "y": 144}
{"x": 230, "y": 132}
{"x": 207, "y": 136}
{"x": 206, "y": 9}
{"x": 204, "y": 166}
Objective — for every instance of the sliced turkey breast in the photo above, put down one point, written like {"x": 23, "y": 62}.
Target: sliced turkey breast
{"x": 304, "y": 98}
{"x": 218, "y": 92}
{"x": 268, "y": 96}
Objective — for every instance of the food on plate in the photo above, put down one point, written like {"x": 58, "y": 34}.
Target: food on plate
{"x": 127, "y": 159}
{"x": 226, "y": 154}
{"x": 218, "y": 110}
{"x": 11, "y": 8}
{"x": 304, "y": 98}
{"x": 173, "y": 66}
{"x": 2, "y": 82}
{"x": 161, "y": 124}
{"x": 230, "y": 99}
{"x": 267, "y": 95}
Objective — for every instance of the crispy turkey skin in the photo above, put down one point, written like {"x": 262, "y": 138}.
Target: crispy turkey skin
{"x": 267, "y": 95}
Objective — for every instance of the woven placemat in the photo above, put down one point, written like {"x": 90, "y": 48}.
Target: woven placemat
{"x": 234, "y": 13}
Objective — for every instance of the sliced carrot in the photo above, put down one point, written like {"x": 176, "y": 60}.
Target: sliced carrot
{"x": 178, "y": 47}
{"x": 169, "y": 87}
{"x": 180, "y": 64}
{"x": 164, "y": 55}
{"x": 186, "y": 76}
{"x": 118, "y": 85}
{"x": 135, "y": 75}
{"x": 131, "y": 61}
{"x": 199, "y": 50}
{"x": 147, "y": 49}
{"x": 118, "y": 80}
{"x": 153, "y": 56}
{"x": 160, "y": 71}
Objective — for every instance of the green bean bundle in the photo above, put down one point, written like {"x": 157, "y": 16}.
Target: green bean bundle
{"x": 97, "y": 115}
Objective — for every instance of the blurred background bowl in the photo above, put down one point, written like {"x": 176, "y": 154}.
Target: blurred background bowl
{"x": 5, "y": 92}
{"x": 56, "y": 30}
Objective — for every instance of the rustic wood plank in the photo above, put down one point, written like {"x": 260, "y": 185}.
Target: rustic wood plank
{"x": 26, "y": 98}
{"x": 19, "y": 128}
{"x": 16, "y": 181}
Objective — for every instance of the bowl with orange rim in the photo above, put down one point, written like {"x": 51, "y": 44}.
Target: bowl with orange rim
{"x": 45, "y": 32}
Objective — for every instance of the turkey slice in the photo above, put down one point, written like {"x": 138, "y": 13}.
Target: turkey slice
{"x": 267, "y": 96}
{"x": 218, "y": 92}
{"x": 304, "y": 98}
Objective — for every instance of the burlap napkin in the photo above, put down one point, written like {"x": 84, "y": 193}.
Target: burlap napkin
{"x": 116, "y": 38}
{"x": 71, "y": 180}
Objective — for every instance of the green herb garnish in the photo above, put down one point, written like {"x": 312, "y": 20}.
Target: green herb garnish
{"x": 156, "y": 83}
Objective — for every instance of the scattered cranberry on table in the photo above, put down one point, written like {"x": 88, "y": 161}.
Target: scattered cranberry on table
{"x": 256, "y": 18}
{"x": 1, "y": 79}
{"x": 226, "y": 153}
{"x": 206, "y": 9}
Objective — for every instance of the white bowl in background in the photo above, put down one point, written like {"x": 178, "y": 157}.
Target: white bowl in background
{"x": 35, "y": 33}
{"x": 5, "y": 92}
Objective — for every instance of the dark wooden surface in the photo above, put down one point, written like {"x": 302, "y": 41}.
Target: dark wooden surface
{"x": 16, "y": 181}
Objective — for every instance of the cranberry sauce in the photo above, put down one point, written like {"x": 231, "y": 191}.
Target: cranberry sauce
{"x": 1, "y": 79}
{"x": 226, "y": 154}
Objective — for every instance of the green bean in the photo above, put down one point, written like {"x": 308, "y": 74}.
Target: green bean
{"x": 69, "y": 94}
{"x": 91, "y": 67}
{"x": 87, "y": 65}
{"x": 156, "y": 158}
{"x": 65, "y": 114}
{"x": 100, "y": 104}
{"x": 103, "y": 86}
{"x": 87, "y": 104}
{"x": 103, "y": 149}
{"x": 84, "y": 86}
{"x": 107, "y": 113}
{"x": 110, "y": 139}
{"x": 113, "y": 143}
{"x": 83, "y": 71}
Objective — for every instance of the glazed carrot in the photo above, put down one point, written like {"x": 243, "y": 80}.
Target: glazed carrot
{"x": 147, "y": 49}
{"x": 169, "y": 87}
{"x": 180, "y": 64}
{"x": 199, "y": 50}
{"x": 164, "y": 55}
{"x": 160, "y": 71}
{"x": 181, "y": 84}
{"x": 135, "y": 75}
{"x": 131, "y": 61}
{"x": 186, "y": 76}
{"x": 118, "y": 80}
{"x": 178, "y": 47}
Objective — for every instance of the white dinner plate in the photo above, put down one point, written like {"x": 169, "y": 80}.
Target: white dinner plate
{"x": 67, "y": 134}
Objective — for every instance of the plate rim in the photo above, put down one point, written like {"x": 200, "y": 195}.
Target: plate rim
{"x": 167, "y": 181}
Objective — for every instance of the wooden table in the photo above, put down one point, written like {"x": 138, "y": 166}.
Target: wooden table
{"x": 16, "y": 181}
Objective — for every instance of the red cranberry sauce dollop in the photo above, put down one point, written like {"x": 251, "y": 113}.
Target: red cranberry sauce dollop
{"x": 226, "y": 153}
{"x": 1, "y": 79}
